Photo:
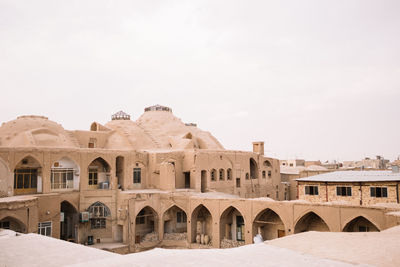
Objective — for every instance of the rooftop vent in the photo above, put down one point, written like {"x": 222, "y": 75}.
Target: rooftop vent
{"x": 158, "y": 108}
{"x": 191, "y": 124}
{"x": 120, "y": 115}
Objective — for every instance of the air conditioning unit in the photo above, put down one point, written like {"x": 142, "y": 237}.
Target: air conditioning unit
{"x": 104, "y": 185}
{"x": 84, "y": 216}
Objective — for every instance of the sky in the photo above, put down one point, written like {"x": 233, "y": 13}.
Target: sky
{"x": 318, "y": 80}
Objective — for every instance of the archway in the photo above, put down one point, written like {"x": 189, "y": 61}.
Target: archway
{"x": 69, "y": 222}
{"x": 269, "y": 225}
{"x": 119, "y": 171}
{"x": 311, "y": 222}
{"x": 253, "y": 169}
{"x": 99, "y": 174}
{"x": 360, "y": 224}
{"x": 12, "y": 223}
{"x": 146, "y": 225}
{"x": 27, "y": 176}
{"x": 64, "y": 174}
{"x": 175, "y": 224}
{"x": 202, "y": 224}
{"x": 232, "y": 233}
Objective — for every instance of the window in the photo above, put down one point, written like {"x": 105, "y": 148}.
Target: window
{"x": 181, "y": 217}
{"x": 343, "y": 191}
{"x": 213, "y": 174}
{"x": 379, "y": 192}
{"x": 264, "y": 175}
{"x": 93, "y": 176}
{"x": 221, "y": 174}
{"x": 291, "y": 164}
{"x": 311, "y": 190}
{"x": 98, "y": 212}
{"x": 137, "y": 175}
{"x": 62, "y": 178}
{"x": 5, "y": 225}
{"x": 269, "y": 174}
{"x": 237, "y": 182}
{"x": 25, "y": 178}
{"x": 44, "y": 228}
{"x": 363, "y": 228}
{"x": 92, "y": 143}
{"x": 140, "y": 218}
{"x": 229, "y": 174}
{"x": 247, "y": 176}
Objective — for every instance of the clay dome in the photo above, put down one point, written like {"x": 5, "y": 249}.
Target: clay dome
{"x": 29, "y": 131}
{"x": 160, "y": 129}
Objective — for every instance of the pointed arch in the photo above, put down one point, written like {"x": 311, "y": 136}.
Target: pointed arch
{"x": 146, "y": 225}
{"x": 174, "y": 220}
{"x": 201, "y": 222}
{"x": 99, "y": 209}
{"x": 360, "y": 224}
{"x": 269, "y": 224}
{"x": 64, "y": 174}
{"x": 232, "y": 225}
{"x": 27, "y": 176}
{"x": 12, "y": 223}
{"x": 253, "y": 169}
{"x": 310, "y": 222}
{"x": 99, "y": 174}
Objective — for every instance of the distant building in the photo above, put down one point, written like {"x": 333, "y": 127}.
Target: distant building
{"x": 352, "y": 187}
{"x": 373, "y": 164}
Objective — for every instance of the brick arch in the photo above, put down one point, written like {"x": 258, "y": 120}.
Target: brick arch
{"x": 93, "y": 158}
{"x": 307, "y": 213}
{"x": 25, "y": 156}
{"x": 69, "y": 157}
{"x": 69, "y": 202}
{"x": 260, "y": 213}
{"x": 348, "y": 221}
{"x": 170, "y": 206}
{"x": 193, "y": 222}
{"x": 17, "y": 219}
{"x": 147, "y": 206}
{"x": 237, "y": 208}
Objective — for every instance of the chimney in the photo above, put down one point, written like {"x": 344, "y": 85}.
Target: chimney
{"x": 258, "y": 147}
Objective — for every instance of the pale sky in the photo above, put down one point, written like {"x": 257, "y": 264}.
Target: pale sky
{"x": 313, "y": 79}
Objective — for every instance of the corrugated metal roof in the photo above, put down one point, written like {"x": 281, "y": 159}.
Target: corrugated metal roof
{"x": 353, "y": 176}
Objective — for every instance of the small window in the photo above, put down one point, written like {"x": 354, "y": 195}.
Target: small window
{"x": 229, "y": 174}
{"x": 378, "y": 191}
{"x": 247, "y": 176}
{"x": 221, "y": 174}
{"x": 213, "y": 174}
{"x": 311, "y": 190}
{"x": 181, "y": 217}
{"x": 5, "y": 225}
{"x": 264, "y": 175}
{"x": 137, "y": 175}
{"x": 269, "y": 174}
{"x": 343, "y": 191}
{"x": 362, "y": 228}
{"x": 291, "y": 164}
{"x": 44, "y": 228}
{"x": 98, "y": 223}
{"x": 237, "y": 182}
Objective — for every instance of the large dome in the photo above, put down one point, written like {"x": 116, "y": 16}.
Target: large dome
{"x": 159, "y": 129}
{"x": 31, "y": 131}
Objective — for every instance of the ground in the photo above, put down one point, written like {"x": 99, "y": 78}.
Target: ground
{"x": 305, "y": 249}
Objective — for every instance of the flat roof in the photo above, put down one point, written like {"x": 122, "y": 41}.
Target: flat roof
{"x": 353, "y": 176}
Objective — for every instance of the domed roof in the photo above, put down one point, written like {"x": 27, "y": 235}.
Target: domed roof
{"x": 29, "y": 131}
{"x": 159, "y": 129}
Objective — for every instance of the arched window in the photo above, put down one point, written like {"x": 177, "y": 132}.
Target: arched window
{"x": 213, "y": 175}
{"x": 229, "y": 174}
{"x": 221, "y": 174}
{"x": 98, "y": 212}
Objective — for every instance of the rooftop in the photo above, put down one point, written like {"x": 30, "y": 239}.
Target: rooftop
{"x": 354, "y": 176}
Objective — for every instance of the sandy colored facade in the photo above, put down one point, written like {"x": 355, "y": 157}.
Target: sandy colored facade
{"x": 151, "y": 182}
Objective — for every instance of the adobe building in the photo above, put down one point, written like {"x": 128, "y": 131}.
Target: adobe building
{"x": 132, "y": 185}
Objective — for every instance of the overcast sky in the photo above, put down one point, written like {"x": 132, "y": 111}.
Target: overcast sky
{"x": 313, "y": 79}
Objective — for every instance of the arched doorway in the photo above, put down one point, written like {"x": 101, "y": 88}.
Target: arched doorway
{"x": 99, "y": 174}
{"x": 12, "y": 223}
{"x": 253, "y": 169}
{"x": 69, "y": 222}
{"x": 175, "y": 224}
{"x": 232, "y": 233}
{"x": 146, "y": 226}
{"x": 202, "y": 224}
{"x": 269, "y": 225}
{"x": 360, "y": 224}
{"x": 119, "y": 171}
{"x": 311, "y": 222}
{"x": 27, "y": 177}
